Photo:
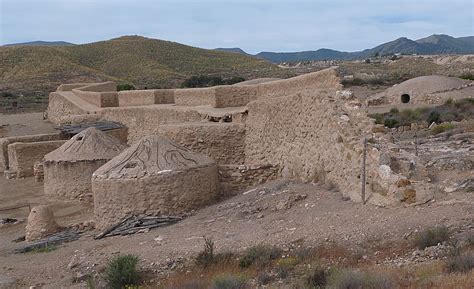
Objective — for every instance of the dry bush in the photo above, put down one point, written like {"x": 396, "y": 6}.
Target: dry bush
{"x": 260, "y": 255}
{"x": 351, "y": 279}
{"x": 442, "y": 128}
{"x": 229, "y": 281}
{"x": 460, "y": 263}
{"x": 431, "y": 237}
{"x": 317, "y": 279}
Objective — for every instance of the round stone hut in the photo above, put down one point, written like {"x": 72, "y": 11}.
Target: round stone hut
{"x": 154, "y": 177}
{"x": 68, "y": 169}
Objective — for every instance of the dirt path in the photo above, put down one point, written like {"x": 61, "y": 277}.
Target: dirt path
{"x": 277, "y": 213}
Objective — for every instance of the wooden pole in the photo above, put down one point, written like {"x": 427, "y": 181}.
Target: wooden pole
{"x": 364, "y": 157}
{"x": 416, "y": 145}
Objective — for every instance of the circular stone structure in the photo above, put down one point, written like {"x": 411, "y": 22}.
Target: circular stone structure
{"x": 416, "y": 89}
{"x": 68, "y": 169}
{"x": 40, "y": 224}
{"x": 155, "y": 177}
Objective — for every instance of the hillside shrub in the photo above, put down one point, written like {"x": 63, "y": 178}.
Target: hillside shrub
{"x": 351, "y": 279}
{"x": 442, "y": 128}
{"x": 125, "y": 86}
{"x": 208, "y": 81}
{"x": 460, "y": 263}
{"x": 229, "y": 281}
{"x": 317, "y": 279}
{"x": 434, "y": 116}
{"x": 259, "y": 255}
{"x": 467, "y": 76}
{"x": 122, "y": 271}
{"x": 390, "y": 122}
{"x": 431, "y": 237}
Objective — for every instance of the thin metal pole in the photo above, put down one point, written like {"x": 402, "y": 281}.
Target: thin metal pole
{"x": 364, "y": 157}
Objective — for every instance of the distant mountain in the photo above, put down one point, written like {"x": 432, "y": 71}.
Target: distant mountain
{"x": 233, "y": 49}
{"x": 434, "y": 44}
{"x": 42, "y": 43}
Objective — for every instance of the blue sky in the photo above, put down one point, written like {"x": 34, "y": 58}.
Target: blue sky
{"x": 258, "y": 25}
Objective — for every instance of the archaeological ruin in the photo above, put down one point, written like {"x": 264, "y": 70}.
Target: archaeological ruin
{"x": 69, "y": 168}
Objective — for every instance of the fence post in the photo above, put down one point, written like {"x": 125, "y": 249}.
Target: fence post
{"x": 364, "y": 157}
{"x": 416, "y": 144}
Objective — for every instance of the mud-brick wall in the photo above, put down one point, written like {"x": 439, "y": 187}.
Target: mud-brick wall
{"x": 223, "y": 142}
{"x": 60, "y": 109}
{"x": 310, "y": 136}
{"x": 142, "y": 121}
{"x": 234, "y": 178}
{"x": 22, "y": 156}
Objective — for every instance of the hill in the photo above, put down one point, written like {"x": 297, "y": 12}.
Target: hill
{"x": 434, "y": 44}
{"x": 144, "y": 62}
{"x": 233, "y": 49}
{"x": 41, "y": 43}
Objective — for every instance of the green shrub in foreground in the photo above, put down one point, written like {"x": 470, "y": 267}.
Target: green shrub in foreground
{"x": 259, "y": 255}
{"x": 122, "y": 271}
{"x": 229, "y": 281}
{"x": 461, "y": 263}
{"x": 431, "y": 237}
{"x": 351, "y": 279}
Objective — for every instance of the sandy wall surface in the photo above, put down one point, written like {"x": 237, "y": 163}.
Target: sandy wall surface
{"x": 171, "y": 193}
{"x": 22, "y": 156}
{"x": 145, "y": 120}
{"x": 223, "y": 142}
{"x": 145, "y": 97}
{"x": 235, "y": 178}
{"x": 4, "y": 142}
{"x": 99, "y": 99}
{"x": 195, "y": 96}
{"x": 70, "y": 180}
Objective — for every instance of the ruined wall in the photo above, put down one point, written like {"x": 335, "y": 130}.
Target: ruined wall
{"x": 4, "y": 142}
{"x": 99, "y": 99}
{"x": 22, "y": 156}
{"x": 312, "y": 135}
{"x": 223, "y": 142}
{"x": 171, "y": 193}
{"x": 99, "y": 87}
{"x": 235, "y": 178}
{"x": 60, "y": 109}
{"x": 144, "y": 120}
{"x": 145, "y": 97}
{"x": 70, "y": 180}
{"x": 71, "y": 86}
{"x": 194, "y": 96}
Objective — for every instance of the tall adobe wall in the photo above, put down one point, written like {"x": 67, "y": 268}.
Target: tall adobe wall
{"x": 313, "y": 135}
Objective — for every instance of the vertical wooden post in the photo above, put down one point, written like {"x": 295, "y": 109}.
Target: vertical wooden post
{"x": 416, "y": 145}
{"x": 364, "y": 157}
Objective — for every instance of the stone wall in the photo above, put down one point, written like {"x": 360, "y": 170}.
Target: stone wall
{"x": 99, "y": 87}
{"x": 195, "y": 96}
{"x": 235, "y": 178}
{"x": 22, "y": 156}
{"x": 312, "y": 135}
{"x": 223, "y": 142}
{"x": 60, "y": 109}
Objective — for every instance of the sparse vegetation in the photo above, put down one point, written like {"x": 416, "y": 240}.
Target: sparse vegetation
{"x": 442, "y": 128}
{"x": 468, "y": 76}
{"x": 229, "y": 281}
{"x": 460, "y": 263}
{"x": 122, "y": 271}
{"x": 431, "y": 237}
{"x": 259, "y": 255}
{"x": 208, "y": 81}
{"x": 125, "y": 86}
{"x": 351, "y": 279}
{"x": 45, "y": 249}
{"x": 451, "y": 110}
{"x": 317, "y": 279}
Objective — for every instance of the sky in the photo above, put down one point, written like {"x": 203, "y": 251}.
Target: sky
{"x": 255, "y": 26}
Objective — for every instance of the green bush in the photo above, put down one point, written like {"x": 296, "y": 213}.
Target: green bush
{"x": 442, "y": 128}
{"x": 431, "y": 237}
{"x": 390, "y": 122}
{"x": 122, "y": 271}
{"x": 125, "y": 86}
{"x": 394, "y": 110}
{"x": 461, "y": 263}
{"x": 350, "y": 279}
{"x": 229, "y": 281}
{"x": 208, "y": 81}
{"x": 259, "y": 255}
{"x": 468, "y": 76}
{"x": 434, "y": 116}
